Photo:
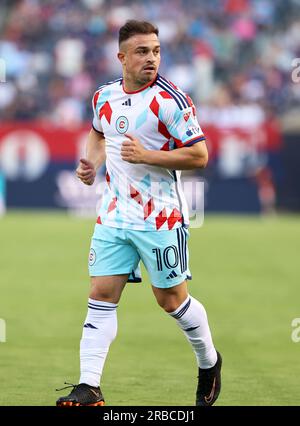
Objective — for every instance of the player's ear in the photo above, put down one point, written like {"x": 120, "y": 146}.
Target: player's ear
{"x": 121, "y": 57}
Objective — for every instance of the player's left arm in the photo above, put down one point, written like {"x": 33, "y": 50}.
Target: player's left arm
{"x": 187, "y": 149}
{"x": 185, "y": 158}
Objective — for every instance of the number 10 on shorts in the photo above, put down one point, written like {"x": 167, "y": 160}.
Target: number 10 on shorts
{"x": 169, "y": 256}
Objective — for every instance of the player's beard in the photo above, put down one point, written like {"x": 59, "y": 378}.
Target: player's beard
{"x": 140, "y": 79}
{"x": 145, "y": 78}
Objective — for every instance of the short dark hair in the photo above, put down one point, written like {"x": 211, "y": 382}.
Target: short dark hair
{"x": 133, "y": 27}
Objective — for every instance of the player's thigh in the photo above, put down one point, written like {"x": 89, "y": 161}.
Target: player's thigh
{"x": 110, "y": 256}
{"x": 111, "y": 260}
{"x": 165, "y": 256}
{"x": 108, "y": 288}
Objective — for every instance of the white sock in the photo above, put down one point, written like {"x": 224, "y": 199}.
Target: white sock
{"x": 192, "y": 319}
{"x": 99, "y": 330}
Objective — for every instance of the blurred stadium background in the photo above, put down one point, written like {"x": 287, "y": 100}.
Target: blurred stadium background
{"x": 237, "y": 59}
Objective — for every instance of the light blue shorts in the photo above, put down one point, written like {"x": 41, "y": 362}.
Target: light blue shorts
{"x": 116, "y": 251}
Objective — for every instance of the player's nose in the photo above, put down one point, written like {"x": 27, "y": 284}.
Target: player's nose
{"x": 151, "y": 57}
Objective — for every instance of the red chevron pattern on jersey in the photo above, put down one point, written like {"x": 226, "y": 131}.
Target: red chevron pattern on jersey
{"x": 154, "y": 106}
{"x": 107, "y": 177}
{"x": 112, "y": 205}
{"x": 165, "y": 95}
{"x": 95, "y": 98}
{"x": 148, "y": 208}
{"x": 162, "y": 217}
{"x": 163, "y": 129}
{"x": 174, "y": 217}
{"x": 191, "y": 104}
{"x": 106, "y": 111}
{"x": 166, "y": 146}
{"x": 136, "y": 195}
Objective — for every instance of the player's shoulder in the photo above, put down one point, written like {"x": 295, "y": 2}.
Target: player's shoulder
{"x": 113, "y": 85}
{"x": 169, "y": 91}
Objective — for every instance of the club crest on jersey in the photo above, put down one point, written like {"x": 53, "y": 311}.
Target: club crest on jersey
{"x": 92, "y": 257}
{"x": 122, "y": 124}
{"x": 187, "y": 115}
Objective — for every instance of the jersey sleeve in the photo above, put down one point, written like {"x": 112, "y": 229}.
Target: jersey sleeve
{"x": 181, "y": 122}
{"x": 96, "y": 123}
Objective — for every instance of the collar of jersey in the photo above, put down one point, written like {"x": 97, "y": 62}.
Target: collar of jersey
{"x": 142, "y": 88}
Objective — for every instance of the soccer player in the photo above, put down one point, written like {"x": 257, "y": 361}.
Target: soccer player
{"x": 145, "y": 129}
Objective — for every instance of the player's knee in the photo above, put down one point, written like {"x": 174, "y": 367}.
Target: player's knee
{"x": 171, "y": 298}
{"x": 107, "y": 289}
{"x": 168, "y": 305}
{"x": 103, "y": 294}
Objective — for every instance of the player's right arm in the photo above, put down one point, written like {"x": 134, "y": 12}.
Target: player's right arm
{"x": 95, "y": 147}
{"x": 95, "y": 157}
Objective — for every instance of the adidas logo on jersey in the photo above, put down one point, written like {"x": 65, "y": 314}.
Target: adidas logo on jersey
{"x": 172, "y": 275}
{"x": 128, "y": 102}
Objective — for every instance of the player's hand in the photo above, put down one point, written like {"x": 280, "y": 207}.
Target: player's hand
{"x": 132, "y": 150}
{"x": 86, "y": 171}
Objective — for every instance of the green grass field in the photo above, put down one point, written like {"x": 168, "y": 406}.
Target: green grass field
{"x": 246, "y": 271}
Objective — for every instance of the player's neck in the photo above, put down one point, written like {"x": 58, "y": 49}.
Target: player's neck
{"x": 131, "y": 86}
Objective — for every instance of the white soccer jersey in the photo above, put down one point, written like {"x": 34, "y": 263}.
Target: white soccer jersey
{"x": 162, "y": 117}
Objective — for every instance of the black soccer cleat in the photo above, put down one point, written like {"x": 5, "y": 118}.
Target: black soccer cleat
{"x": 209, "y": 384}
{"x": 81, "y": 395}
